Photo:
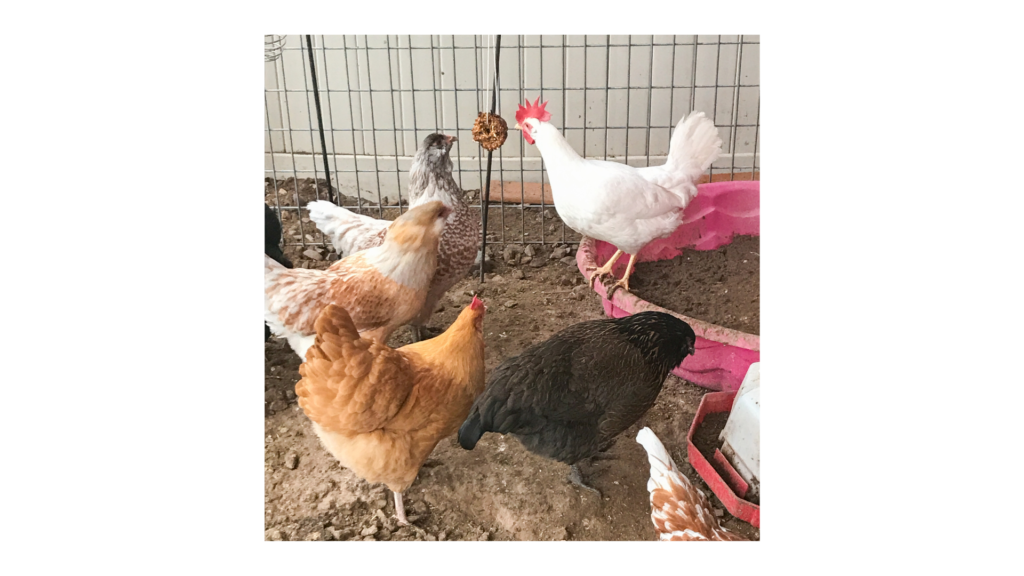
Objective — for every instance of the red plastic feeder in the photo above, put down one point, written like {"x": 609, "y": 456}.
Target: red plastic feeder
{"x": 728, "y": 485}
{"x": 720, "y": 211}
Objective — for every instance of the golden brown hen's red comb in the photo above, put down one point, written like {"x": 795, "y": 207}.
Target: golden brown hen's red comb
{"x": 476, "y": 304}
{"x": 533, "y": 111}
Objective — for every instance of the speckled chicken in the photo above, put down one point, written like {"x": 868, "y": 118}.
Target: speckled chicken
{"x": 430, "y": 178}
{"x": 679, "y": 510}
{"x": 381, "y": 411}
{"x": 381, "y": 288}
{"x": 567, "y": 398}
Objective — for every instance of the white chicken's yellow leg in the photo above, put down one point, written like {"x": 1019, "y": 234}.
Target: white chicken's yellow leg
{"x": 400, "y": 510}
{"x": 624, "y": 283}
{"x": 603, "y": 270}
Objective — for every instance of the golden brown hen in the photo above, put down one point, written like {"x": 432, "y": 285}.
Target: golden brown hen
{"x": 679, "y": 510}
{"x": 380, "y": 411}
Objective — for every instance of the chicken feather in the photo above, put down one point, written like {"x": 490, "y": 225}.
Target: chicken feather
{"x": 610, "y": 201}
{"x": 382, "y": 288}
{"x": 430, "y": 178}
{"x": 567, "y": 398}
{"x": 381, "y": 411}
{"x": 679, "y": 510}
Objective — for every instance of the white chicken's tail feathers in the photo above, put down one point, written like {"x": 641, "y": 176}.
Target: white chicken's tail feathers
{"x": 347, "y": 231}
{"x": 662, "y": 465}
{"x": 695, "y": 145}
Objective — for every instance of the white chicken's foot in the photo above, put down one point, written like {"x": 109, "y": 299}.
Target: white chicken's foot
{"x": 400, "y": 510}
{"x": 603, "y": 270}
{"x": 624, "y": 282}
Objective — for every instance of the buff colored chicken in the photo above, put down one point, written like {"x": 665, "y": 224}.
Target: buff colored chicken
{"x": 678, "y": 509}
{"x": 381, "y": 411}
{"x": 381, "y": 288}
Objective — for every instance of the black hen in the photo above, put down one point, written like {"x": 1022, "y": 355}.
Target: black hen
{"x": 568, "y": 397}
{"x": 272, "y": 248}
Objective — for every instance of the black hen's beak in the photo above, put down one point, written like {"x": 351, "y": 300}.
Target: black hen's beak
{"x": 449, "y": 140}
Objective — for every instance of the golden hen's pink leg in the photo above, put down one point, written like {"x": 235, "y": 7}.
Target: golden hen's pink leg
{"x": 624, "y": 283}
{"x": 400, "y": 510}
{"x": 603, "y": 270}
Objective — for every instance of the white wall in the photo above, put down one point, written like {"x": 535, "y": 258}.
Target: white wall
{"x": 398, "y": 67}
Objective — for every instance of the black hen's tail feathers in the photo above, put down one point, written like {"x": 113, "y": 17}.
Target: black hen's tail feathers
{"x": 471, "y": 430}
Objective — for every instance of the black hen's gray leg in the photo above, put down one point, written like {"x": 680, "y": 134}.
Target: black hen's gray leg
{"x": 576, "y": 477}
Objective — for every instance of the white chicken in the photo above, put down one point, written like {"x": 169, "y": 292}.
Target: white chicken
{"x": 625, "y": 206}
{"x": 678, "y": 509}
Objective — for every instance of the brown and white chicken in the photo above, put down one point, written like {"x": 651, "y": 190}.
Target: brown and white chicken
{"x": 679, "y": 510}
{"x": 382, "y": 288}
{"x": 430, "y": 178}
{"x": 381, "y": 411}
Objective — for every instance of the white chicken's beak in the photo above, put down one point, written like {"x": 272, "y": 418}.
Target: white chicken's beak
{"x": 517, "y": 126}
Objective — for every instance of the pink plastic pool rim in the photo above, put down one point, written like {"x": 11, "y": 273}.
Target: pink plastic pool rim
{"x": 720, "y": 211}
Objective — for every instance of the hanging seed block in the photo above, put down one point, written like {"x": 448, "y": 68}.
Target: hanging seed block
{"x": 490, "y": 130}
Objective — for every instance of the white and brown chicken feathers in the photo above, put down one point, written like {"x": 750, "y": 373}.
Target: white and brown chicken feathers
{"x": 679, "y": 510}
{"x": 381, "y": 288}
{"x": 430, "y": 178}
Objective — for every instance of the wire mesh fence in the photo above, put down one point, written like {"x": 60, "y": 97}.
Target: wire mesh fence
{"x": 613, "y": 97}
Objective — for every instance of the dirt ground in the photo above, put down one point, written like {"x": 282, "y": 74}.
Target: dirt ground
{"x": 732, "y": 297}
{"x": 498, "y": 491}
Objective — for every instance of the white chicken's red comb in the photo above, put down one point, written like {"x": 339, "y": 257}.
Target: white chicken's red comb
{"x": 533, "y": 111}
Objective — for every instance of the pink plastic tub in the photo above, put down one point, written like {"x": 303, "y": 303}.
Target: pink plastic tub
{"x": 720, "y": 211}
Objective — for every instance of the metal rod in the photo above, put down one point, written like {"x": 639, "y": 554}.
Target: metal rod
{"x": 433, "y": 87}
{"x": 565, "y": 111}
{"x": 412, "y": 90}
{"x": 394, "y": 122}
{"x": 753, "y": 159}
{"x": 273, "y": 165}
{"x": 576, "y": 45}
{"x": 607, "y": 80}
{"x": 455, "y": 84}
{"x": 309, "y": 125}
{"x": 320, "y": 119}
{"x": 543, "y": 170}
{"x": 477, "y": 75}
{"x": 352, "y": 123}
{"x": 291, "y": 144}
{"x": 735, "y": 112}
{"x": 330, "y": 113}
{"x": 650, "y": 101}
{"x": 522, "y": 143}
{"x": 525, "y": 87}
{"x": 373, "y": 125}
{"x": 490, "y": 155}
